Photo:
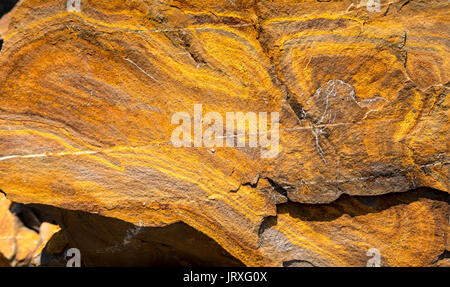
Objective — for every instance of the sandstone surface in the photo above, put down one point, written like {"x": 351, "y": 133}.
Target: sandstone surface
{"x": 87, "y": 95}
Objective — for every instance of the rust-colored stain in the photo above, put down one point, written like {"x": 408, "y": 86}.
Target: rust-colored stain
{"x": 86, "y": 100}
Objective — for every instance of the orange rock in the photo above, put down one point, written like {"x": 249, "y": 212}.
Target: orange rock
{"x": 88, "y": 97}
{"x": 8, "y": 222}
{"x": 6, "y": 19}
{"x": 46, "y": 232}
{"x": 19, "y": 244}
{"x": 406, "y": 229}
{"x": 27, "y": 241}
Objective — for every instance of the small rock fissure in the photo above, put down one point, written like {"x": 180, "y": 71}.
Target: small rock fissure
{"x": 297, "y": 263}
{"x": 444, "y": 255}
{"x": 278, "y": 188}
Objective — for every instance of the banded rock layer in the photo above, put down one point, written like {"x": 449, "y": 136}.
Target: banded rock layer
{"x": 87, "y": 97}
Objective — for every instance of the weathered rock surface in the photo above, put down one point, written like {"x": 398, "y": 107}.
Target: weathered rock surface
{"x": 85, "y": 125}
{"x": 6, "y": 12}
{"x": 408, "y": 229}
{"x": 19, "y": 244}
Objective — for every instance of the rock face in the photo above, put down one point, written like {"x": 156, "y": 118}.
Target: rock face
{"x": 5, "y": 14}
{"x": 89, "y": 89}
{"x": 21, "y": 245}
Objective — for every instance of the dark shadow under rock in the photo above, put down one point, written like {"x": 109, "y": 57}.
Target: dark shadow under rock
{"x": 105, "y": 241}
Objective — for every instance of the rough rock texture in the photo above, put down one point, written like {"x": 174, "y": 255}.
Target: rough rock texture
{"x": 409, "y": 229}
{"x": 21, "y": 245}
{"x": 6, "y": 12}
{"x": 85, "y": 123}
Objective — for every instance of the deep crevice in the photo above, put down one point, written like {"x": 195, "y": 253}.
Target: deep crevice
{"x": 278, "y": 188}
{"x": 444, "y": 255}
{"x": 357, "y": 205}
{"x": 352, "y": 205}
